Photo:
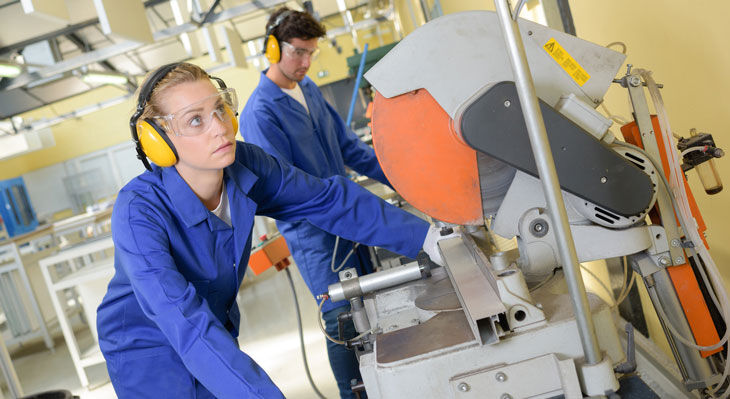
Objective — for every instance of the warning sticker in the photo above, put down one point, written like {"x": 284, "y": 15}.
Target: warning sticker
{"x": 569, "y": 65}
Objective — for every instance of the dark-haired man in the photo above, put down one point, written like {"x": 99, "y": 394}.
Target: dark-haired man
{"x": 288, "y": 117}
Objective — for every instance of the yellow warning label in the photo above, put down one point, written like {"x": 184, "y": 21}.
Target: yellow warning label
{"x": 569, "y": 65}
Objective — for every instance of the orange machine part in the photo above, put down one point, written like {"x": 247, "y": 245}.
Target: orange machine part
{"x": 683, "y": 278}
{"x": 423, "y": 158}
{"x": 273, "y": 252}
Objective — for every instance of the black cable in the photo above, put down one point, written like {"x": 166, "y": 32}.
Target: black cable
{"x": 301, "y": 334}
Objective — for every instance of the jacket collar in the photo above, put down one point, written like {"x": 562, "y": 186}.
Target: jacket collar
{"x": 182, "y": 198}
{"x": 239, "y": 174}
{"x": 188, "y": 205}
{"x": 273, "y": 91}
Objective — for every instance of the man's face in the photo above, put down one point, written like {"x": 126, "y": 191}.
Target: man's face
{"x": 296, "y": 58}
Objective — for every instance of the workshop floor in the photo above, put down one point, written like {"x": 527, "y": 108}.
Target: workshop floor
{"x": 268, "y": 334}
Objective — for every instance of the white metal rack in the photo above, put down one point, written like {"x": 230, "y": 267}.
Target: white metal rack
{"x": 97, "y": 271}
{"x": 18, "y": 301}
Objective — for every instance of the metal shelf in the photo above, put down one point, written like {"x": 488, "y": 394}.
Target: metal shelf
{"x": 96, "y": 270}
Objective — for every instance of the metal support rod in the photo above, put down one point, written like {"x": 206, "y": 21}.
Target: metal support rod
{"x": 358, "y": 286}
{"x": 355, "y": 90}
{"x": 8, "y": 371}
{"x": 642, "y": 116}
{"x": 549, "y": 178}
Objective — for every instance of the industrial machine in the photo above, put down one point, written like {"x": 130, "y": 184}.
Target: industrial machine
{"x": 488, "y": 124}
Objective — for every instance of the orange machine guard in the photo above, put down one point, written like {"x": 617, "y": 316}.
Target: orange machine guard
{"x": 683, "y": 277}
{"x": 273, "y": 252}
{"x": 424, "y": 160}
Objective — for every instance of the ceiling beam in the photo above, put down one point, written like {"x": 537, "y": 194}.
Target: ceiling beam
{"x": 128, "y": 45}
{"x": 86, "y": 47}
{"x": 49, "y": 35}
{"x": 9, "y": 3}
{"x": 63, "y": 31}
{"x": 209, "y": 13}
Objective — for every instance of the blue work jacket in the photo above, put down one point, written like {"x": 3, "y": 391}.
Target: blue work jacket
{"x": 320, "y": 144}
{"x": 169, "y": 321}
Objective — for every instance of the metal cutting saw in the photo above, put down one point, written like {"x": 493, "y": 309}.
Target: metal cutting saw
{"x": 459, "y": 108}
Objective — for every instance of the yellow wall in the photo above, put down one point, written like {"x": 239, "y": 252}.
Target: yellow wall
{"x": 104, "y": 128}
{"x": 686, "y": 47}
{"x": 336, "y": 64}
{"x": 410, "y": 15}
{"x": 77, "y": 136}
{"x": 452, "y": 6}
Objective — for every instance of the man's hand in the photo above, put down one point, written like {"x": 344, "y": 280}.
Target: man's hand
{"x": 430, "y": 244}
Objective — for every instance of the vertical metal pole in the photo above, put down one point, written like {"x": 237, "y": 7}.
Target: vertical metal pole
{"x": 8, "y": 371}
{"x": 360, "y": 68}
{"x": 566, "y": 16}
{"x": 549, "y": 178}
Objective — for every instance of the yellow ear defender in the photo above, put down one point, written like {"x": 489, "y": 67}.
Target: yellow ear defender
{"x": 272, "y": 50}
{"x": 151, "y": 140}
{"x": 155, "y": 143}
{"x": 232, "y": 115}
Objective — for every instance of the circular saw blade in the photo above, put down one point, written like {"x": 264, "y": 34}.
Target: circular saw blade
{"x": 424, "y": 160}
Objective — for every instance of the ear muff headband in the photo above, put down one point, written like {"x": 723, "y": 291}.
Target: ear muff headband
{"x": 272, "y": 51}
{"x": 234, "y": 117}
{"x": 151, "y": 140}
{"x": 232, "y": 113}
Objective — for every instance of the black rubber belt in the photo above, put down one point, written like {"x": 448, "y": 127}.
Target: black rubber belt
{"x": 586, "y": 167}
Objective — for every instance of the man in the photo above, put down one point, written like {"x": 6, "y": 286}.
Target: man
{"x": 287, "y": 116}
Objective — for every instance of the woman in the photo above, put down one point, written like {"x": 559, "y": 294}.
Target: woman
{"x": 169, "y": 321}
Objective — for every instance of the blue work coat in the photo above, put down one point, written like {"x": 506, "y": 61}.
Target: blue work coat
{"x": 169, "y": 321}
{"x": 320, "y": 144}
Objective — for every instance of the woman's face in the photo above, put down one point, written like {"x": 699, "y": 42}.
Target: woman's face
{"x": 215, "y": 148}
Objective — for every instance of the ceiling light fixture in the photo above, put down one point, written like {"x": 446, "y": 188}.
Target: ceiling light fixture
{"x": 9, "y": 69}
{"x": 93, "y": 77}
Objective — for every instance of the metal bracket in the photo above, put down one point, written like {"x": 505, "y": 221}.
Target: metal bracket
{"x": 476, "y": 289}
{"x": 519, "y": 380}
{"x": 632, "y": 82}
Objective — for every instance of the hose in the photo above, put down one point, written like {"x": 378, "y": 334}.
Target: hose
{"x": 321, "y": 326}
{"x": 301, "y": 334}
{"x": 601, "y": 283}
{"x": 334, "y": 255}
{"x": 702, "y": 148}
{"x": 518, "y": 9}
{"x": 683, "y": 212}
{"x": 674, "y": 331}
{"x": 626, "y": 287}
{"x": 544, "y": 281}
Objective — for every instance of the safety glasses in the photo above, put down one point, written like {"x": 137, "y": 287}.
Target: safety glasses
{"x": 197, "y": 118}
{"x": 300, "y": 52}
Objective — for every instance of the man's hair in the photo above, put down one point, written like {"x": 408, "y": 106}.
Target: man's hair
{"x": 296, "y": 24}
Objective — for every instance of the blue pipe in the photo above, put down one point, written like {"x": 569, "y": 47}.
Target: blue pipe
{"x": 357, "y": 85}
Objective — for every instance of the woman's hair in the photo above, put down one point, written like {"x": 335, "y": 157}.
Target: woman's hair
{"x": 297, "y": 24}
{"x": 183, "y": 73}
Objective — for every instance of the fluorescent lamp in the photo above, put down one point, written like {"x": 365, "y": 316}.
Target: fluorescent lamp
{"x": 92, "y": 77}
{"x": 9, "y": 70}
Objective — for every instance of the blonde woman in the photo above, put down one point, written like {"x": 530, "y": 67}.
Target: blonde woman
{"x": 182, "y": 233}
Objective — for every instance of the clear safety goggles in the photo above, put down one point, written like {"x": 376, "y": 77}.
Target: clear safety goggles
{"x": 197, "y": 118}
{"x": 300, "y": 52}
